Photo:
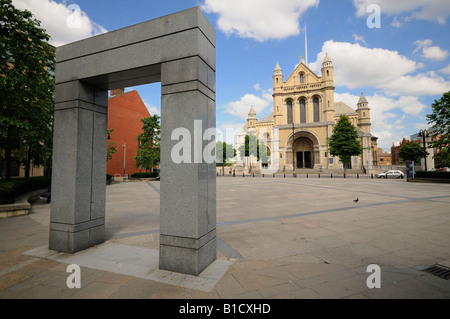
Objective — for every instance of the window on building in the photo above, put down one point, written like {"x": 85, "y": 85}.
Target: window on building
{"x": 364, "y": 114}
{"x": 277, "y": 80}
{"x": 302, "y": 78}
{"x": 328, "y": 73}
{"x": 281, "y": 155}
{"x": 302, "y": 111}
{"x": 316, "y": 109}
{"x": 289, "y": 111}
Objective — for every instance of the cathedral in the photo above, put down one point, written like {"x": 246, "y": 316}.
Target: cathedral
{"x": 304, "y": 114}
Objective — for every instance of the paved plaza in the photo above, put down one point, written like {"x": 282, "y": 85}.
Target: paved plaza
{"x": 277, "y": 238}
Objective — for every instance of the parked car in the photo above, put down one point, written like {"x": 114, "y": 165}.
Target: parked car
{"x": 391, "y": 174}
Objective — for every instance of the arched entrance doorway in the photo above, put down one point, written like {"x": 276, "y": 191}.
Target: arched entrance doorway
{"x": 304, "y": 153}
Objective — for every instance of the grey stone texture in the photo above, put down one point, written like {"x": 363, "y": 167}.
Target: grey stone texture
{"x": 177, "y": 50}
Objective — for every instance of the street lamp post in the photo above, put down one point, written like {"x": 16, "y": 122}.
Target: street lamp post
{"x": 424, "y": 134}
{"x": 124, "y": 146}
{"x": 293, "y": 141}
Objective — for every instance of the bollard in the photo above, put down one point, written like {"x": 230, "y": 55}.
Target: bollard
{"x": 371, "y": 176}
{"x": 284, "y": 175}
{"x": 357, "y": 175}
{"x": 331, "y": 175}
{"x": 306, "y": 175}
{"x": 243, "y": 174}
{"x": 273, "y": 175}
{"x": 253, "y": 174}
{"x": 319, "y": 175}
{"x": 344, "y": 175}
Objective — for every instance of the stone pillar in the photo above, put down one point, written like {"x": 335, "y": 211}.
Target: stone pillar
{"x": 77, "y": 216}
{"x": 188, "y": 189}
{"x": 177, "y": 50}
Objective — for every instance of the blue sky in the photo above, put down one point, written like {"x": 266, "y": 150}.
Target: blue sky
{"x": 402, "y": 66}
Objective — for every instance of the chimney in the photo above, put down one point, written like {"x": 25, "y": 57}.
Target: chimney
{"x": 116, "y": 92}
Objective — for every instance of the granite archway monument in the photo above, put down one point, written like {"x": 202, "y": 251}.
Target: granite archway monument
{"x": 177, "y": 50}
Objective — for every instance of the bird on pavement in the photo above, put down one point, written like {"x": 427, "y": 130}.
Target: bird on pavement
{"x": 356, "y": 200}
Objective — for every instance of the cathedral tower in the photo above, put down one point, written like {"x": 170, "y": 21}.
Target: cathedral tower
{"x": 363, "y": 111}
{"x": 328, "y": 96}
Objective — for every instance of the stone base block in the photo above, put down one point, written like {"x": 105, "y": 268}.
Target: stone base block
{"x": 190, "y": 261}
{"x": 71, "y": 242}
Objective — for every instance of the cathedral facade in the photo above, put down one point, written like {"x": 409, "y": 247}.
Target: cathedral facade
{"x": 302, "y": 121}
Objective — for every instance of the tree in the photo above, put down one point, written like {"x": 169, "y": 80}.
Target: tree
{"x": 411, "y": 151}
{"x": 344, "y": 141}
{"x": 440, "y": 119}
{"x": 111, "y": 148}
{"x": 26, "y": 89}
{"x": 224, "y": 152}
{"x": 251, "y": 147}
{"x": 148, "y": 153}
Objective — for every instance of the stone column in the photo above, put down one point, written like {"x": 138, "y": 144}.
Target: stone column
{"x": 188, "y": 189}
{"x": 77, "y": 215}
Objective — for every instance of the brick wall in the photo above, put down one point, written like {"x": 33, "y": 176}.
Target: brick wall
{"x": 125, "y": 111}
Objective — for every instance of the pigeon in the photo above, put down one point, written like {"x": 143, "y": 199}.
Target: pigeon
{"x": 356, "y": 200}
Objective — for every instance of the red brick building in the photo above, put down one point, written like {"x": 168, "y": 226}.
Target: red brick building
{"x": 125, "y": 111}
{"x": 395, "y": 159}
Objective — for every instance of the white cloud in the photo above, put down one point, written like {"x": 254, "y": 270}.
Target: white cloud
{"x": 429, "y": 51}
{"x": 242, "y": 107}
{"x": 421, "y": 44}
{"x": 423, "y": 84}
{"x": 358, "y": 38}
{"x": 259, "y": 19}
{"x": 396, "y": 23}
{"x": 63, "y": 24}
{"x": 435, "y": 53}
{"x": 361, "y": 67}
{"x": 436, "y": 10}
{"x": 387, "y": 114}
{"x": 357, "y": 66}
{"x": 152, "y": 109}
{"x": 445, "y": 70}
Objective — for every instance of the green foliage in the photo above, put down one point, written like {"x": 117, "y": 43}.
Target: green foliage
{"x": 10, "y": 189}
{"x": 440, "y": 119}
{"x": 111, "y": 148}
{"x": 144, "y": 175}
{"x": 224, "y": 152}
{"x": 411, "y": 151}
{"x": 27, "y": 62}
{"x": 442, "y": 159}
{"x": 149, "y": 151}
{"x": 252, "y": 147}
{"x": 344, "y": 141}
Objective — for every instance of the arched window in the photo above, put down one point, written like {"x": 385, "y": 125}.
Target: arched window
{"x": 328, "y": 73}
{"x": 302, "y": 111}
{"x": 316, "y": 109}
{"x": 289, "y": 111}
{"x": 301, "y": 78}
{"x": 277, "y": 80}
{"x": 278, "y": 109}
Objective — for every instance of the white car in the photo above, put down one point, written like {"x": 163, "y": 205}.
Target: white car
{"x": 391, "y": 174}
